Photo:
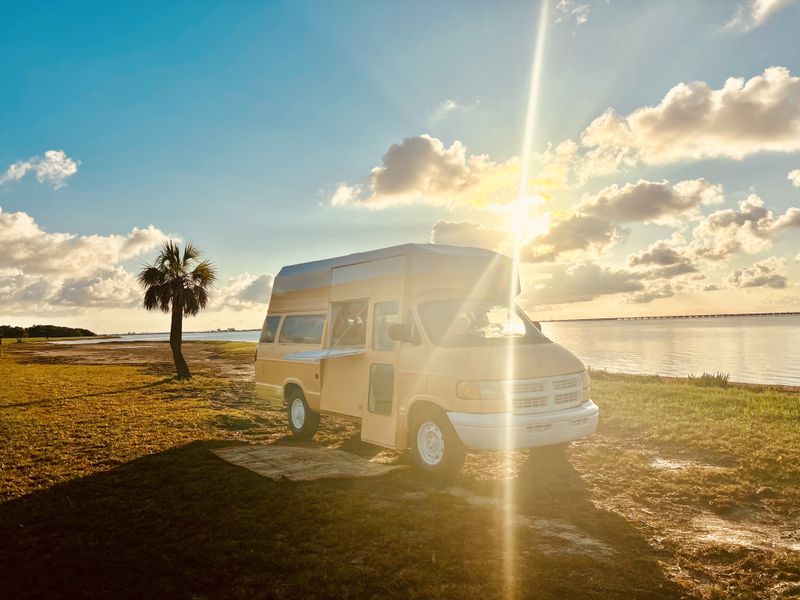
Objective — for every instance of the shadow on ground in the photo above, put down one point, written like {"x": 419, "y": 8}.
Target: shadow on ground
{"x": 185, "y": 524}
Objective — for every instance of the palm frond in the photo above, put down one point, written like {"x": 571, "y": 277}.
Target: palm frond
{"x": 190, "y": 253}
{"x": 204, "y": 274}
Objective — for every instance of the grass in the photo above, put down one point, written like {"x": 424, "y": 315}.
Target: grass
{"x": 108, "y": 488}
{"x": 711, "y": 380}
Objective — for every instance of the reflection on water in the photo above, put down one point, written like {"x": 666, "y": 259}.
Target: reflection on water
{"x": 751, "y": 349}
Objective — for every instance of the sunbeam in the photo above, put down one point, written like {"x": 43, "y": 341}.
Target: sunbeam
{"x": 519, "y": 217}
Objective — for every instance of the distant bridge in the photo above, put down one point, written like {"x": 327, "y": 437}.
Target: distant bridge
{"x": 662, "y": 317}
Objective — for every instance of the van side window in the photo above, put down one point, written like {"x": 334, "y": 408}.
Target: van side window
{"x": 384, "y": 316}
{"x": 269, "y": 329}
{"x": 349, "y": 324}
{"x": 302, "y": 329}
{"x": 381, "y": 389}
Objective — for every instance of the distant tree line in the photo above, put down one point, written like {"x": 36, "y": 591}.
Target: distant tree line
{"x": 7, "y": 331}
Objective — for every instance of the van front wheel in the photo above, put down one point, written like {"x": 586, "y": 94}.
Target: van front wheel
{"x": 435, "y": 445}
{"x": 303, "y": 421}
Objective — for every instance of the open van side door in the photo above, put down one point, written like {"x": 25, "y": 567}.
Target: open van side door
{"x": 368, "y": 295}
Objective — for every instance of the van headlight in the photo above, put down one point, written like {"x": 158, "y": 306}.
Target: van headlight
{"x": 479, "y": 390}
{"x": 586, "y": 381}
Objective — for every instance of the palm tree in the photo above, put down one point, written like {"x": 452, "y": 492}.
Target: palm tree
{"x": 181, "y": 284}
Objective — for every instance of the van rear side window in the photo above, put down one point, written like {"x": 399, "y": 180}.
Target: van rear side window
{"x": 302, "y": 329}
{"x": 269, "y": 330}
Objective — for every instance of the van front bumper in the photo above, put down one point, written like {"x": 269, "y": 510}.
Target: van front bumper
{"x": 504, "y": 431}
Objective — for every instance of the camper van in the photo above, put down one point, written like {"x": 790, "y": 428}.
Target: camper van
{"x": 420, "y": 344}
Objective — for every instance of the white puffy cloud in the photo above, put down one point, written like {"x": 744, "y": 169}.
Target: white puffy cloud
{"x": 788, "y": 220}
{"x": 467, "y": 233}
{"x": 244, "y": 292}
{"x": 750, "y": 228}
{"x": 32, "y": 250}
{"x": 561, "y": 284}
{"x": 754, "y": 13}
{"x": 652, "y": 292}
{"x": 692, "y": 121}
{"x": 652, "y": 201}
{"x": 770, "y": 272}
{"x": 662, "y": 253}
{"x": 664, "y": 259}
{"x": 53, "y": 168}
{"x": 114, "y": 287}
{"x": 794, "y": 177}
{"x": 422, "y": 170}
{"x": 40, "y": 270}
{"x": 575, "y": 233}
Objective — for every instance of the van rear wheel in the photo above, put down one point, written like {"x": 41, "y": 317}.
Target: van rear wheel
{"x": 435, "y": 445}
{"x": 303, "y": 421}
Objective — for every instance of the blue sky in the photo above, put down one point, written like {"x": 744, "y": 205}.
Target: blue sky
{"x": 232, "y": 125}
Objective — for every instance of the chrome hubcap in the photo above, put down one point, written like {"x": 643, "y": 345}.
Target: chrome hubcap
{"x": 298, "y": 413}
{"x": 430, "y": 443}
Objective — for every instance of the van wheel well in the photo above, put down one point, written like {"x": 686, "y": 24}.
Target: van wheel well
{"x": 289, "y": 389}
{"x": 423, "y": 406}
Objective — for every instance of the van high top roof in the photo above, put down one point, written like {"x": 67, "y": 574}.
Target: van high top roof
{"x": 427, "y": 268}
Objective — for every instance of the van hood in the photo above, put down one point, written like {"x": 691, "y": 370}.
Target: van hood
{"x": 491, "y": 362}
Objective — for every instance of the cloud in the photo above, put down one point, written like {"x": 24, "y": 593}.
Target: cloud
{"x": 576, "y": 232}
{"x": 570, "y": 10}
{"x": 652, "y": 201}
{"x": 755, "y": 13}
{"x": 114, "y": 287}
{"x": 652, "y": 292}
{"x": 41, "y": 271}
{"x": 34, "y": 251}
{"x": 467, "y": 233}
{"x": 53, "y": 168}
{"x": 448, "y": 107}
{"x": 244, "y": 292}
{"x": 794, "y": 177}
{"x": 662, "y": 253}
{"x": 422, "y": 170}
{"x": 560, "y": 284}
{"x": 770, "y": 272}
{"x": 750, "y": 228}
{"x": 691, "y": 122}
{"x": 595, "y": 226}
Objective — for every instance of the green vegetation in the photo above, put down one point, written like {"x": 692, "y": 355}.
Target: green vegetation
{"x": 43, "y": 331}
{"x": 711, "y": 380}
{"x": 108, "y": 488}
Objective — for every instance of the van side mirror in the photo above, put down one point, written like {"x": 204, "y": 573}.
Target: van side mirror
{"x": 401, "y": 332}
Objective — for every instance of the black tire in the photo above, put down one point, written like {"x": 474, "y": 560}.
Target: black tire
{"x": 437, "y": 428}
{"x": 303, "y": 424}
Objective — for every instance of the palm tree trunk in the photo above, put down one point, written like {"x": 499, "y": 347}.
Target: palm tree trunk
{"x": 176, "y": 337}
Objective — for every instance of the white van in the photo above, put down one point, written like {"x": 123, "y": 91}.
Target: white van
{"x": 419, "y": 344}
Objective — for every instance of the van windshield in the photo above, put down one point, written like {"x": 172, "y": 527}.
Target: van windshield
{"x": 477, "y": 323}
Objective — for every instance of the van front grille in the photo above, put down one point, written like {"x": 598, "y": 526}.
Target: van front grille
{"x": 546, "y": 393}
{"x": 522, "y": 404}
{"x": 568, "y": 398}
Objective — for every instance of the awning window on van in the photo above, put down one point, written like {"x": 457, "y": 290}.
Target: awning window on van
{"x": 314, "y": 356}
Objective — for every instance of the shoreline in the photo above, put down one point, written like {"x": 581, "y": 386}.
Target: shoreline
{"x": 595, "y": 373}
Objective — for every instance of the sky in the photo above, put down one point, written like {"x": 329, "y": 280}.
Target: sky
{"x": 664, "y": 176}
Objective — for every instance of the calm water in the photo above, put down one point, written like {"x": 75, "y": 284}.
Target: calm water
{"x": 751, "y": 349}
